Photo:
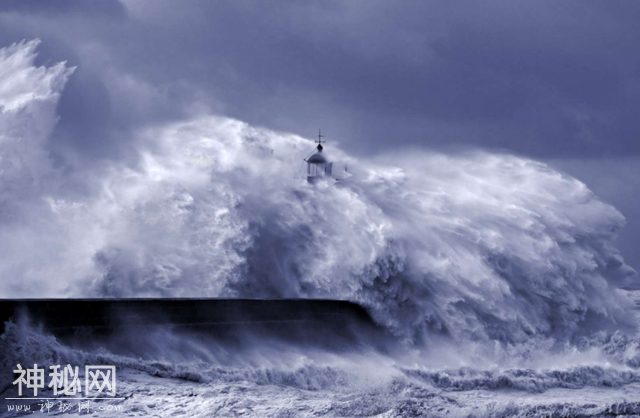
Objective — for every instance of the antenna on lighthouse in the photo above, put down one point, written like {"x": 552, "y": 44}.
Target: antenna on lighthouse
{"x": 320, "y": 141}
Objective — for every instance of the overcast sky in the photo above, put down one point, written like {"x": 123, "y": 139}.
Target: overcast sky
{"x": 555, "y": 81}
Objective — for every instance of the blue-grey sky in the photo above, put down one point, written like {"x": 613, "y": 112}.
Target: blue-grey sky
{"x": 556, "y": 81}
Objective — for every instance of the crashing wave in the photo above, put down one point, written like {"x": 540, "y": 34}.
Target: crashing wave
{"x": 472, "y": 247}
{"x": 204, "y": 361}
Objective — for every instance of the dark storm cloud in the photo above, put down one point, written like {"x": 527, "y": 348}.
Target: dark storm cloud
{"x": 543, "y": 78}
{"x": 88, "y": 7}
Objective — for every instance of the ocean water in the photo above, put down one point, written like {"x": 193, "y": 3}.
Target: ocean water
{"x": 167, "y": 373}
{"x": 495, "y": 278}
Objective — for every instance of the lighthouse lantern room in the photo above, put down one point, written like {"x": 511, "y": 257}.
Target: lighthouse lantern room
{"x": 317, "y": 165}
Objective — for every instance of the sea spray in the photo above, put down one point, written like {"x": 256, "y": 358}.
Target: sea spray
{"x": 473, "y": 247}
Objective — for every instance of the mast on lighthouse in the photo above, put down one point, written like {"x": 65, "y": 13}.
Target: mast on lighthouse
{"x": 317, "y": 165}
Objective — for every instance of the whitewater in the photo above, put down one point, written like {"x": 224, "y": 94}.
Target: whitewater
{"x": 494, "y": 277}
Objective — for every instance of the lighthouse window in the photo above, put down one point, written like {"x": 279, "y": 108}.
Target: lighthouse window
{"x": 316, "y": 169}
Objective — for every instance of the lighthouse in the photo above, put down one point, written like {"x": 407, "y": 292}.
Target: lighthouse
{"x": 318, "y": 166}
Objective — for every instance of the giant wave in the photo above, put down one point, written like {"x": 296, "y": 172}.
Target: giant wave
{"x": 473, "y": 246}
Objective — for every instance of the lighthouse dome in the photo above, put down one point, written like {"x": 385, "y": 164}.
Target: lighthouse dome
{"x": 317, "y": 158}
